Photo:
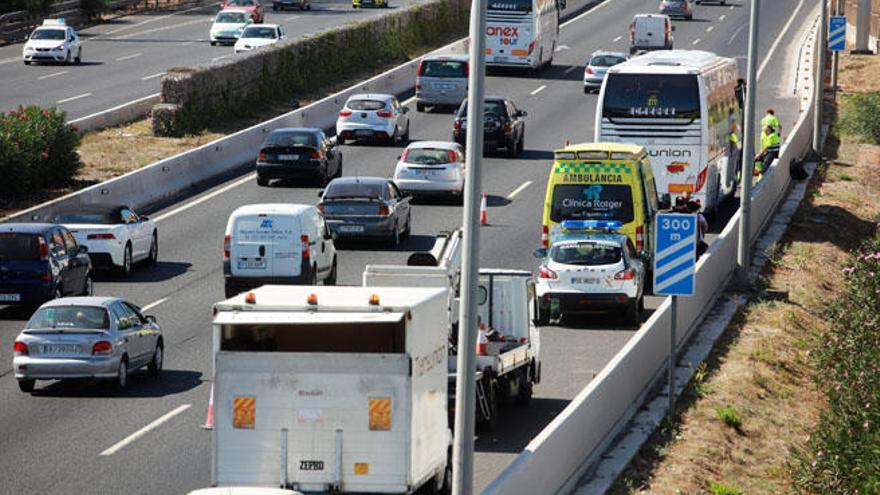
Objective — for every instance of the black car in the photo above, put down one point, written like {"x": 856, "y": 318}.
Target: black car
{"x": 366, "y": 208}
{"x": 286, "y": 4}
{"x": 298, "y": 154}
{"x": 504, "y": 125}
{"x": 39, "y": 262}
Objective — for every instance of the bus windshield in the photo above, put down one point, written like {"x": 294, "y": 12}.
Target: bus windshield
{"x": 674, "y": 96}
{"x": 592, "y": 202}
{"x": 511, "y": 5}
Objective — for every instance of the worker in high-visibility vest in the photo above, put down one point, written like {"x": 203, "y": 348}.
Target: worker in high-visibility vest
{"x": 734, "y": 150}
{"x": 769, "y": 151}
{"x": 770, "y": 119}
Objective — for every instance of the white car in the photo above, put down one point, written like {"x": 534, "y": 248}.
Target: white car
{"x": 54, "y": 41}
{"x": 590, "y": 267}
{"x": 115, "y": 235}
{"x": 431, "y": 168}
{"x": 258, "y": 36}
{"x": 372, "y": 117}
{"x": 597, "y": 67}
{"x": 228, "y": 26}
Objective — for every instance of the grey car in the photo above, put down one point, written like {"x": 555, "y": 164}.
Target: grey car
{"x": 366, "y": 208}
{"x": 677, "y": 8}
{"x": 103, "y": 338}
{"x": 442, "y": 80}
{"x": 597, "y": 66}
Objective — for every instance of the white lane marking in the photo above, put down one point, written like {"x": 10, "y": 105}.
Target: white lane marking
{"x": 736, "y": 33}
{"x": 561, "y": 48}
{"x": 10, "y": 60}
{"x": 153, "y": 76}
{"x": 123, "y": 28}
{"x": 129, "y": 57}
{"x": 143, "y": 431}
{"x": 779, "y": 39}
{"x": 615, "y": 40}
{"x": 542, "y": 88}
{"x": 187, "y": 43}
{"x": 585, "y": 14}
{"x": 77, "y": 97}
{"x": 221, "y": 57}
{"x": 709, "y": 29}
{"x": 696, "y": 41}
{"x": 408, "y": 100}
{"x": 573, "y": 67}
{"x": 248, "y": 178}
{"x": 47, "y": 76}
{"x": 518, "y": 190}
{"x": 732, "y": 7}
{"x": 151, "y": 31}
{"x": 153, "y": 304}
{"x": 723, "y": 16}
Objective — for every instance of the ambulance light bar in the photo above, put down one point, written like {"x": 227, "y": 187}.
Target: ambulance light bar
{"x": 574, "y": 225}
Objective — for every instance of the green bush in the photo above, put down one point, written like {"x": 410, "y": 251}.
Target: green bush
{"x": 722, "y": 489}
{"x": 37, "y": 150}
{"x": 32, "y": 6}
{"x": 843, "y": 453}
{"x": 94, "y": 7}
{"x": 860, "y": 115}
{"x": 729, "y": 416}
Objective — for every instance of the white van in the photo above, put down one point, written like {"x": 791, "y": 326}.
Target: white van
{"x": 277, "y": 244}
{"x": 650, "y": 32}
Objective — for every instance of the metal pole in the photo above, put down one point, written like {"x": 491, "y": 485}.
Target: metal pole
{"x": 863, "y": 26}
{"x": 819, "y": 89}
{"x": 673, "y": 314}
{"x": 743, "y": 248}
{"x": 465, "y": 386}
{"x": 838, "y": 10}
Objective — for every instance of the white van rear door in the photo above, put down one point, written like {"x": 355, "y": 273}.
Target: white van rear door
{"x": 251, "y": 246}
{"x": 649, "y": 32}
{"x": 287, "y": 245}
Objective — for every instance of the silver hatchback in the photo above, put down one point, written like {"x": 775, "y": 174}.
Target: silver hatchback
{"x": 442, "y": 80}
{"x": 86, "y": 337}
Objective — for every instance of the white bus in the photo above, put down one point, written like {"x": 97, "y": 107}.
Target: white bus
{"x": 522, "y": 33}
{"x": 681, "y": 105}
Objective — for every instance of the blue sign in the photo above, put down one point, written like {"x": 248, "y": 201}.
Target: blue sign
{"x": 837, "y": 34}
{"x": 675, "y": 254}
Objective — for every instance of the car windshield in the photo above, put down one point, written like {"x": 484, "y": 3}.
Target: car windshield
{"x": 444, "y": 68}
{"x": 240, "y": 3}
{"x": 231, "y": 17}
{"x": 48, "y": 34}
{"x": 606, "y": 60}
{"x": 586, "y": 253}
{"x": 19, "y": 247}
{"x": 291, "y": 139}
{"x": 259, "y": 32}
{"x": 428, "y": 156}
{"x": 70, "y": 317}
{"x": 592, "y": 202}
{"x": 101, "y": 217}
{"x": 338, "y": 190}
{"x": 491, "y": 106}
{"x": 366, "y": 105}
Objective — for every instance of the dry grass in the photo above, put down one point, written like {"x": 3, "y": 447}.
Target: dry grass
{"x": 761, "y": 366}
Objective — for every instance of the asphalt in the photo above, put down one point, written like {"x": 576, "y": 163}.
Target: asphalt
{"x": 124, "y": 59}
{"x": 52, "y": 440}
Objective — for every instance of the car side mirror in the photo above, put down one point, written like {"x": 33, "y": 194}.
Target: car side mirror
{"x": 151, "y": 319}
{"x": 321, "y": 193}
{"x": 540, "y": 253}
{"x": 83, "y": 249}
{"x": 673, "y": 28}
{"x": 522, "y": 113}
{"x": 405, "y": 110}
{"x": 144, "y": 219}
{"x": 328, "y": 235}
{"x": 562, "y": 5}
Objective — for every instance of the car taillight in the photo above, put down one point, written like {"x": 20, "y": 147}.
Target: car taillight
{"x": 545, "y": 237}
{"x": 418, "y": 86}
{"x": 19, "y": 348}
{"x": 507, "y": 127}
{"x": 46, "y": 277}
{"x": 456, "y": 126}
{"x": 588, "y": 70}
{"x": 227, "y": 240}
{"x": 44, "y": 249}
{"x": 306, "y": 255}
{"x": 451, "y": 156}
{"x": 481, "y": 349}
{"x": 547, "y": 273}
{"x": 627, "y": 274}
{"x": 385, "y": 115}
{"x": 320, "y": 207}
{"x": 531, "y": 47}
{"x": 467, "y": 70}
{"x": 102, "y": 347}
{"x": 101, "y": 237}
{"x": 632, "y": 32}
{"x": 318, "y": 155}
{"x": 640, "y": 238}
{"x": 261, "y": 156}
{"x": 384, "y": 210}
{"x": 421, "y": 70}
{"x": 404, "y": 155}
{"x": 345, "y": 113}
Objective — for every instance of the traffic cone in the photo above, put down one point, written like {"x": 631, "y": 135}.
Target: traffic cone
{"x": 484, "y": 210}
{"x": 209, "y": 419}
{"x": 567, "y": 143}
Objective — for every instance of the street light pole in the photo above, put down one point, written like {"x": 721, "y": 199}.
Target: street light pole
{"x": 465, "y": 394}
{"x": 819, "y": 88}
{"x": 743, "y": 249}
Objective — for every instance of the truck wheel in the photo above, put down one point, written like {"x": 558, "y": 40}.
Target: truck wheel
{"x": 230, "y": 290}
{"x": 491, "y": 424}
{"x": 543, "y": 318}
{"x": 525, "y": 389}
{"x": 420, "y": 107}
{"x": 27, "y": 386}
{"x": 331, "y": 279}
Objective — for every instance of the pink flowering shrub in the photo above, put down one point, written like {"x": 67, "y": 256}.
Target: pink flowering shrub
{"x": 37, "y": 150}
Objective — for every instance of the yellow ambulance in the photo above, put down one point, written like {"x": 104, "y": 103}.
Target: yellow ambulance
{"x": 603, "y": 181}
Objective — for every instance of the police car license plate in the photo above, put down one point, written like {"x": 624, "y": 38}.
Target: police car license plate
{"x": 251, "y": 264}
{"x": 288, "y": 157}
{"x": 311, "y": 465}
{"x": 584, "y": 281}
{"x": 10, "y": 297}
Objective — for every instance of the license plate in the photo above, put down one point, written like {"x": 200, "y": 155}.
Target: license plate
{"x": 443, "y": 87}
{"x": 288, "y": 157}
{"x": 363, "y": 133}
{"x": 588, "y": 281}
{"x": 60, "y": 348}
{"x": 351, "y": 228}
{"x": 10, "y": 297}
{"x": 311, "y": 465}
{"x": 252, "y": 264}
{"x": 501, "y": 59}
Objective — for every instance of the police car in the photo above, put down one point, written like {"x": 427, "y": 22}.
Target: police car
{"x": 590, "y": 267}
{"x": 54, "y": 41}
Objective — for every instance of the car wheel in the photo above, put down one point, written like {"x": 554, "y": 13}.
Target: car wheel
{"x": 420, "y": 107}
{"x": 510, "y": 149}
{"x": 543, "y": 318}
{"x": 122, "y": 374}
{"x": 395, "y": 237}
{"x": 405, "y": 138}
{"x": 79, "y": 55}
{"x": 154, "y": 250}
{"x": 340, "y": 140}
{"x": 525, "y": 388}
{"x": 88, "y": 286}
{"x": 521, "y": 145}
{"x": 57, "y": 293}
{"x": 27, "y": 62}
{"x": 155, "y": 366}
{"x": 27, "y": 386}
{"x": 262, "y": 181}
{"x": 331, "y": 279}
{"x": 309, "y": 7}
{"x": 126, "y": 261}
{"x": 314, "y": 278}
{"x": 67, "y": 58}
{"x": 230, "y": 289}
{"x": 408, "y": 231}
{"x": 633, "y": 315}
{"x": 213, "y": 43}
{"x": 339, "y": 168}
{"x": 274, "y": 9}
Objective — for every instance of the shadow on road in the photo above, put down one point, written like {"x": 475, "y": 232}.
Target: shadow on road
{"x": 413, "y": 243}
{"x": 160, "y": 272}
{"x": 16, "y": 313}
{"x": 140, "y": 385}
{"x": 518, "y": 425}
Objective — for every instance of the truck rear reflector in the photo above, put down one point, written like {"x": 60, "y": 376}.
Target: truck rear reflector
{"x": 244, "y": 412}
{"x": 380, "y": 413}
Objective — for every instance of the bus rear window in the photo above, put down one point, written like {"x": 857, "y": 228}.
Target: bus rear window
{"x": 354, "y": 337}
{"x": 511, "y": 5}
{"x": 592, "y": 202}
{"x": 656, "y": 96}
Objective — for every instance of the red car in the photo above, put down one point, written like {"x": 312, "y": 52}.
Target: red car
{"x": 254, "y": 7}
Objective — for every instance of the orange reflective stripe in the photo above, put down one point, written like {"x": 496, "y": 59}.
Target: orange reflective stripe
{"x": 244, "y": 412}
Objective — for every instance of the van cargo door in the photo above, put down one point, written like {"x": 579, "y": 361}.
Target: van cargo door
{"x": 252, "y": 246}
{"x": 288, "y": 245}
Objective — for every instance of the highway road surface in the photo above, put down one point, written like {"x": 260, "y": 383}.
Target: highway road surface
{"x": 78, "y": 438}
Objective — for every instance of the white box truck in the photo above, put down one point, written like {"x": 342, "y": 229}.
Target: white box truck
{"x": 331, "y": 389}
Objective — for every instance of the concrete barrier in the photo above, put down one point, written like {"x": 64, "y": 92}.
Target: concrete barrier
{"x": 556, "y": 458}
{"x": 122, "y": 114}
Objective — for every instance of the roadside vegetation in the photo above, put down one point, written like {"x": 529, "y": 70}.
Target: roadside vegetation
{"x": 788, "y": 401}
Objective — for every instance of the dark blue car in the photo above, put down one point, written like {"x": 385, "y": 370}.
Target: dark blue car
{"x": 39, "y": 262}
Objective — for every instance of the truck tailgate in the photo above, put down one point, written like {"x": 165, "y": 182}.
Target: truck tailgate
{"x": 320, "y": 398}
